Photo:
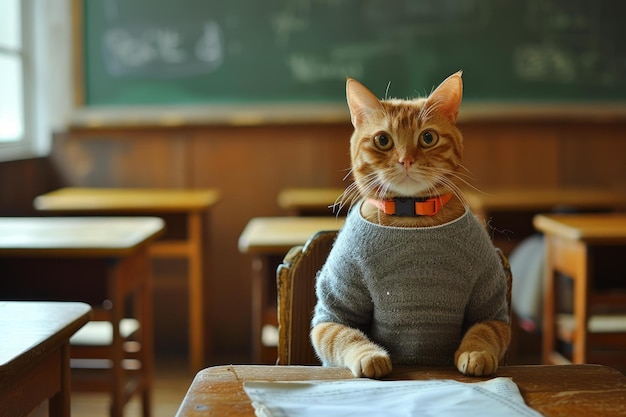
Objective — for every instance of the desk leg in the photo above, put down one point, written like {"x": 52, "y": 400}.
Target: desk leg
{"x": 263, "y": 306}
{"x": 259, "y": 274}
{"x": 580, "y": 274}
{"x": 570, "y": 258}
{"x": 59, "y": 404}
{"x": 131, "y": 277}
{"x": 549, "y": 302}
{"x": 145, "y": 311}
{"x": 196, "y": 290}
{"x": 118, "y": 272}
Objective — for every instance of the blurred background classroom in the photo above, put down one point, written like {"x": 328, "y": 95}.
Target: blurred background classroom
{"x": 247, "y": 97}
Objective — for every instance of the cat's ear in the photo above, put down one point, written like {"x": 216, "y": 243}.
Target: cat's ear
{"x": 447, "y": 97}
{"x": 361, "y": 101}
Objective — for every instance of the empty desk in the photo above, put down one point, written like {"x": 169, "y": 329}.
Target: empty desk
{"x": 35, "y": 355}
{"x": 99, "y": 260}
{"x": 194, "y": 204}
{"x": 269, "y": 239}
{"x": 543, "y": 199}
{"x": 509, "y": 211}
{"x": 579, "y": 247}
{"x": 311, "y": 201}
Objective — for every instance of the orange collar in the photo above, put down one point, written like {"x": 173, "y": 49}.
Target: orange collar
{"x": 407, "y": 206}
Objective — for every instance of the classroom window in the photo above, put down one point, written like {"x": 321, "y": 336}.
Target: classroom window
{"x": 11, "y": 73}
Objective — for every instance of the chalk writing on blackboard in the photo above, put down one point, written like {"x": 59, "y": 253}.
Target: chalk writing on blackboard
{"x": 570, "y": 47}
{"x": 310, "y": 69}
{"x": 163, "y": 51}
{"x": 300, "y": 51}
{"x": 374, "y": 32}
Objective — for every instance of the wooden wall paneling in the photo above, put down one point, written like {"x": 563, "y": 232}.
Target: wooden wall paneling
{"x": 500, "y": 155}
{"x": 142, "y": 158}
{"x": 594, "y": 155}
{"x": 157, "y": 159}
{"x": 221, "y": 158}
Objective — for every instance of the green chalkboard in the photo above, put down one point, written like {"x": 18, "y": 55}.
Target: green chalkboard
{"x": 164, "y": 52}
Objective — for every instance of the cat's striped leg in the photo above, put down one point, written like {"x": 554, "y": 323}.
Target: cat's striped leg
{"x": 482, "y": 347}
{"x": 339, "y": 345}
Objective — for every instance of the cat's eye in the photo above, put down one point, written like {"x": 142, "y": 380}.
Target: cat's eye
{"x": 383, "y": 141}
{"x": 428, "y": 138}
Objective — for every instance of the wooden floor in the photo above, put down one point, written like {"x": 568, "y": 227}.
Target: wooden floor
{"x": 172, "y": 379}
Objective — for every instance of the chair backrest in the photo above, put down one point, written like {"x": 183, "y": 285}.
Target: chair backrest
{"x": 509, "y": 285}
{"x": 295, "y": 279}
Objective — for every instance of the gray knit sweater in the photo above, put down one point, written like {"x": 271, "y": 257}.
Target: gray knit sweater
{"x": 414, "y": 291}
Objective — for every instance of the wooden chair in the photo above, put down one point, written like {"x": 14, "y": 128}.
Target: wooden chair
{"x": 295, "y": 279}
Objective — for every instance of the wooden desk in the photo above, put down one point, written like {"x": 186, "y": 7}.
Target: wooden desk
{"x": 35, "y": 355}
{"x": 309, "y": 201}
{"x": 509, "y": 211}
{"x": 269, "y": 239}
{"x": 543, "y": 199}
{"x": 193, "y": 204}
{"x": 100, "y": 260}
{"x": 570, "y": 242}
{"x": 574, "y": 390}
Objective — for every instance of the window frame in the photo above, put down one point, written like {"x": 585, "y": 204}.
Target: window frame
{"x": 35, "y": 140}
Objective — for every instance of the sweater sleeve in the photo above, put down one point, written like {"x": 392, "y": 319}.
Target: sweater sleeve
{"x": 342, "y": 296}
{"x": 488, "y": 298}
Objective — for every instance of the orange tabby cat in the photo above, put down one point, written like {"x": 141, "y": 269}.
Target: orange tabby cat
{"x": 413, "y": 278}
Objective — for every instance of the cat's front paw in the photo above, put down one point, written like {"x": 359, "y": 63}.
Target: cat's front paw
{"x": 477, "y": 363}
{"x": 370, "y": 363}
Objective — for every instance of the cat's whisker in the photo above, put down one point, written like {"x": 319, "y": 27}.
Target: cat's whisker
{"x": 466, "y": 169}
{"x": 348, "y": 173}
{"x": 426, "y": 111}
{"x": 467, "y": 174}
{"x": 347, "y": 196}
{"x": 457, "y": 175}
{"x": 352, "y": 193}
{"x": 459, "y": 194}
{"x": 454, "y": 188}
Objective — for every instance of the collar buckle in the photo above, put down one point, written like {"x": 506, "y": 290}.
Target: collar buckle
{"x": 405, "y": 206}
{"x": 412, "y": 207}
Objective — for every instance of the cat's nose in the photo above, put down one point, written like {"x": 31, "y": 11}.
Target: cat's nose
{"x": 407, "y": 161}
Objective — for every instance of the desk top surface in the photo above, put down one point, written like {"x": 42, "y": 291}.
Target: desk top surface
{"x": 566, "y": 390}
{"x": 31, "y": 329}
{"x": 276, "y": 235}
{"x": 601, "y": 227}
{"x": 505, "y": 199}
{"x": 76, "y": 236}
{"x": 125, "y": 200}
{"x": 308, "y": 198}
{"x": 538, "y": 199}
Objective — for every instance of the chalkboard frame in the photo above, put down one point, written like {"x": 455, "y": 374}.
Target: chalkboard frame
{"x": 87, "y": 115}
